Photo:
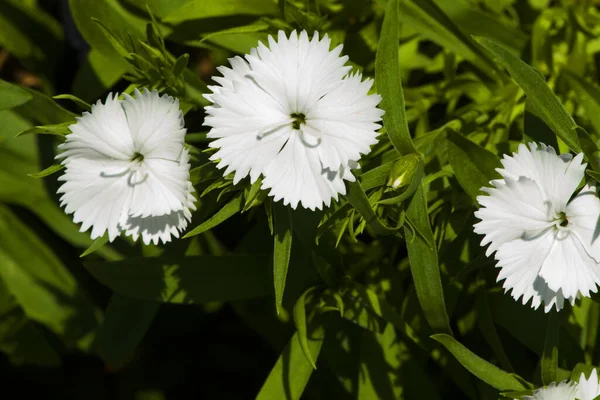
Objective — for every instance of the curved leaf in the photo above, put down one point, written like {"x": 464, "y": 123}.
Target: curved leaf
{"x": 482, "y": 369}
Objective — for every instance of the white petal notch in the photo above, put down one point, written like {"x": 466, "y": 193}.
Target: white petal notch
{"x": 127, "y": 169}
{"x": 545, "y": 236}
{"x": 562, "y": 391}
{"x": 588, "y": 389}
{"x": 293, "y": 113}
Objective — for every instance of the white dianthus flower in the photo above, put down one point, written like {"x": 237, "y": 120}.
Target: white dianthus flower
{"x": 291, "y": 113}
{"x": 588, "y": 389}
{"x": 545, "y": 241}
{"x": 127, "y": 169}
{"x": 563, "y": 391}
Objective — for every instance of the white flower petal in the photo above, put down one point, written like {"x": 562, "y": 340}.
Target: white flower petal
{"x": 103, "y": 133}
{"x": 510, "y": 211}
{"x": 156, "y": 124}
{"x": 296, "y": 176}
{"x": 563, "y": 391}
{"x": 558, "y": 176}
{"x": 161, "y": 187}
{"x": 291, "y": 114}
{"x": 161, "y": 228}
{"x": 520, "y": 262}
{"x": 588, "y": 389}
{"x": 97, "y": 193}
{"x": 125, "y": 164}
{"x": 569, "y": 268}
{"x": 583, "y": 213}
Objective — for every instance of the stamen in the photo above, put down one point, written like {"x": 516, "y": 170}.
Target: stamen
{"x": 299, "y": 119}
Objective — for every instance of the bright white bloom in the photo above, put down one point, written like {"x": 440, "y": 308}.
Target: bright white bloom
{"x": 545, "y": 241}
{"x": 563, "y": 391}
{"x": 127, "y": 169}
{"x": 292, "y": 113}
{"x": 588, "y": 389}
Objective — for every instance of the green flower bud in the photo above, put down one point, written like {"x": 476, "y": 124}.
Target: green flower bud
{"x": 402, "y": 173}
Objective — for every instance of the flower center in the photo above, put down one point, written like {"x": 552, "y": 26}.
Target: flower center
{"x": 561, "y": 221}
{"x": 299, "y": 119}
{"x": 137, "y": 157}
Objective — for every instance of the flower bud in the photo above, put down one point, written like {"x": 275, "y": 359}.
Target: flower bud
{"x": 403, "y": 172}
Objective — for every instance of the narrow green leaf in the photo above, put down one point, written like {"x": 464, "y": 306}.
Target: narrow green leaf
{"x": 589, "y": 95}
{"x": 389, "y": 85}
{"x": 258, "y": 26}
{"x": 97, "y": 244}
{"x": 48, "y": 171}
{"x": 475, "y": 21}
{"x": 473, "y": 165}
{"x": 125, "y": 323}
{"x": 57, "y": 129}
{"x": 357, "y": 197}
{"x": 376, "y": 177}
{"x": 291, "y": 372}
{"x": 424, "y": 264}
{"x": 367, "y": 298}
{"x": 12, "y": 95}
{"x": 230, "y": 209}
{"x": 82, "y": 104}
{"x": 282, "y": 249}
{"x": 180, "y": 65}
{"x": 545, "y": 102}
{"x": 550, "y": 355}
{"x": 488, "y": 329}
{"x": 476, "y": 365}
{"x": 220, "y": 8}
{"x": 112, "y": 22}
{"x": 427, "y": 18}
{"x": 194, "y": 279}
{"x": 300, "y": 322}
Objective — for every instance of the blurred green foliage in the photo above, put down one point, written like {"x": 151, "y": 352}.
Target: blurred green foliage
{"x": 388, "y": 292}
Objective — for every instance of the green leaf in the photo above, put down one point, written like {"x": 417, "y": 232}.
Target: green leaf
{"x": 12, "y": 96}
{"x": 426, "y": 18}
{"x": 193, "y": 9}
{"x": 424, "y": 266}
{"x": 473, "y": 165}
{"x": 56, "y": 129}
{"x": 42, "y": 285}
{"x": 97, "y": 74}
{"x": 180, "y": 64}
{"x": 194, "y": 279}
{"x": 20, "y": 338}
{"x": 357, "y": 197}
{"x": 476, "y": 365}
{"x": 543, "y": 100}
{"x": 363, "y": 297}
{"x": 377, "y": 176}
{"x": 82, "y": 104}
{"x": 588, "y": 94}
{"x": 230, "y": 209}
{"x": 282, "y": 249}
{"x": 488, "y": 329}
{"x": 96, "y": 245}
{"x": 114, "y": 18}
{"x": 389, "y": 85}
{"x": 125, "y": 323}
{"x": 380, "y": 361}
{"x": 301, "y": 325}
{"x": 32, "y": 35}
{"x": 48, "y": 171}
{"x": 474, "y": 21}
{"x": 291, "y": 372}
{"x": 550, "y": 355}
